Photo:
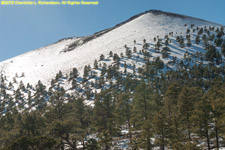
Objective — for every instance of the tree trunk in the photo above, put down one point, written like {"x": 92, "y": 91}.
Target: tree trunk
{"x": 207, "y": 138}
{"x": 149, "y": 145}
{"x": 130, "y": 134}
{"x": 189, "y": 130}
{"x": 217, "y": 136}
{"x": 107, "y": 147}
{"x": 162, "y": 146}
{"x": 83, "y": 145}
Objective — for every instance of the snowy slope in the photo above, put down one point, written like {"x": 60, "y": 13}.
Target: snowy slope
{"x": 43, "y": 63}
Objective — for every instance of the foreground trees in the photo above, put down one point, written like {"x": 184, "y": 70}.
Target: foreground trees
{"x": 174, "y": 115}
{"x": 104, "y": 119}
{"x": 182, "y": 116}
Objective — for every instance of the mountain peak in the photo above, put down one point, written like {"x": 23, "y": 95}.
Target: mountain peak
{"x": 160, "y": 12}
{"x": 78, "y": 52}
{"x": 169, "y": 14}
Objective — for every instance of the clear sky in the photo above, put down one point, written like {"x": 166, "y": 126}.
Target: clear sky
{"x": 24, "y": 28}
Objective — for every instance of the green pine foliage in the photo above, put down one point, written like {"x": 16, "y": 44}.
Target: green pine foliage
{"x": 175, "y": 105}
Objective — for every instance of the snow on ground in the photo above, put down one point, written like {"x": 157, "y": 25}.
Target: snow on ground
{"x": 43, "y": 63}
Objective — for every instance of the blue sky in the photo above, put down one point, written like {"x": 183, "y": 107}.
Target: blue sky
{"x": 24, "y": 28}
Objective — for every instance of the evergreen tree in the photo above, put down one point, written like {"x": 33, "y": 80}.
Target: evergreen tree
{"x": 142, "y": 114}
{"x": 189, "y": 42}
{"x": 110, "y": 54}
{"x": 197, "y": 39}
{"x": 200, "y": 31}
{"x": 172, "y": 114}
{"x": 181, "y": 42}
{"x": 134, "y": 49}
{"x": 223, "y": 49}
{"x": 83, "y": 114}
{"x": 123, "y": 111}
{"x": 161, "y": 129}
{"x": 102, "y": 57}
{"x": 211, "y": 53}
{"x": 73, "y": 74}
{"x": 104, "y": 120}
{"x": 188, "y": 97}
{"x": 128, "y": 53}
{"x": 96, "y": 64}
{"x": 86, "y": 72}
{"x": 61, "y": 123}
{"x": 216, "y": 96}
{"x": 202, "y": 118}
{"x": 116, "y": 58}
{"x": 58, "y": 75}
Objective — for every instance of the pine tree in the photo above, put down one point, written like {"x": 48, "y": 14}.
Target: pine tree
{"x": 165, "y": 51}
{"x": 181, "y": 42}
{"x": 73, "y": 74}
{"x": 86, "y": 72}
{"x": 145, "y": 46}
{"x": 74, "y": 83}
{"x": 102, "y": 57}
{"x": 128, "y": 53}
{"x": 216, "y": 96}
{"x": 144, "y": 41}
{"x": 189, "y": 42}
{"x": 58, "y": 75}
{"x": 160, "y": 129}
{"x": 172, "y": 114}
{"x": 218, "y": 42}
{"x": 211, "y": 53}
{"x": 134, "y": 49}
{"x": 62, "y": 124}
{"x": 158, "y": 45}
{"x": 123, "y": 111}
{"x": 197, "y": 39}
{"x": 96, "y": 64}
{"x": 202, "y": 118}
{"x": 187, "y": 31}
{"x": 104, "y": 119}
{"x": 200, "y": 31}
{"x": 125, "y": 67}
{"x": 110, "y": 54}
{"x": 142, "y": 115}
{"x": 188, "y": 97}
{"x": 40, "y": 96}
{"x": 116, "y": 58}
{"x": 32, "y": 124}
{"x": 83, "y": 114}
{"x": 223, "y": 49}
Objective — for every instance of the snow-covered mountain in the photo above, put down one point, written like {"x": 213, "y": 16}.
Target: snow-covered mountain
{"x": 43, "y": 63}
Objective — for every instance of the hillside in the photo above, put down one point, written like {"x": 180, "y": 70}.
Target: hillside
{"x": 155, "y": 81}
{"x": 43, "y": 63}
